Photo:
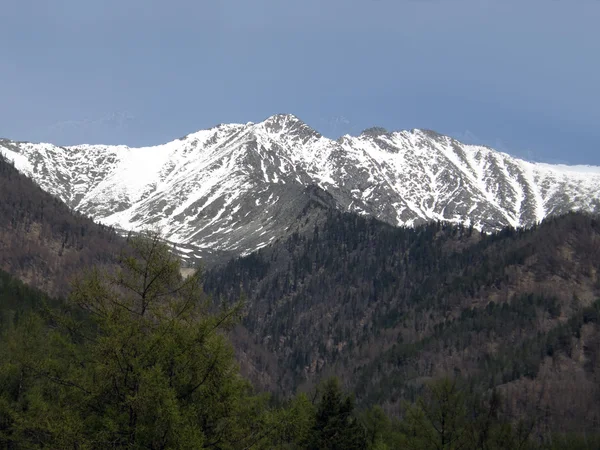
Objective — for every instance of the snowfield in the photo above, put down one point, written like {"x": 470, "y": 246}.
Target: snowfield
{"x": 230, "y": 187}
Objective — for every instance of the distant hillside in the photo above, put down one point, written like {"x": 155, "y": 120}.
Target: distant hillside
{"x": 42, "y": 241}
{"x": 387, "y": 308}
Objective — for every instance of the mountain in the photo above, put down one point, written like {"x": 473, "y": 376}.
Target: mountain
{"x": 334, "y": 292}
{"x": 235, "y": 188}
{"x": 388, "y": 308}
{"x": 42, "y": 241}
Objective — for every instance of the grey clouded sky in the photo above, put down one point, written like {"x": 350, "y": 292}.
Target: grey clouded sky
{"x": 522, "y": 76}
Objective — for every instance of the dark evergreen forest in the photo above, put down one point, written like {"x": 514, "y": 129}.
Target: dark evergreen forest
{"x": 387, "y": 309}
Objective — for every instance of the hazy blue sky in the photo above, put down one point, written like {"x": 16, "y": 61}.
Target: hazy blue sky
{"x": 520, "y": 75}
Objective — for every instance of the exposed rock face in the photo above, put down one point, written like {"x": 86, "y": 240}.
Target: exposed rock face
{"x": 235, "y": 188}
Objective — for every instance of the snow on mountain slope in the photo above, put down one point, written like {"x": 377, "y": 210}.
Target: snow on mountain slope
{"x": 237, "y": 187}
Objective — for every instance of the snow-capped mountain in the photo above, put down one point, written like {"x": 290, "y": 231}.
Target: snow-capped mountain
{"x": 237, "y": 187}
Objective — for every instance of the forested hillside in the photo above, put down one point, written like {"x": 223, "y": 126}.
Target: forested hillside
{"x": 387, "y": 308}
{"x": 42, "y": 241}
{"x": 137, "y": 357}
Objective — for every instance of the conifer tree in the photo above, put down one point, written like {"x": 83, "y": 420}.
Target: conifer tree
{"x": 336, "y": 427}
{"x": 137, "y": 359}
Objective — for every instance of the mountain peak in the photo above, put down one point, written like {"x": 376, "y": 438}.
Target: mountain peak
{"x": 432, "y": 134}
{"x": 289, "y": 124}
{"x": 283, "y": 117}
{"x": 283, "y": 121}
{"x": 375, "y": 132}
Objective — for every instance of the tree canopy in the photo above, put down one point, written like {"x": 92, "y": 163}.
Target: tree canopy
{"x": 136, "y": 358}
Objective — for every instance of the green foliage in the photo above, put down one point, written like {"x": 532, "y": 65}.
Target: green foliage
{"x": 136, "y": 360}
{"x": 296, "y": 421}
{"x": 439, "y": 420}
{"x": 383, "y": 433}
{"x": 447, "y": 418}
{"x": 335, "y": 426}
{"x": 17, "y": 298}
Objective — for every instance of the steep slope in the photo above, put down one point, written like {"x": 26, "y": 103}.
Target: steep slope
{"x": 223, "y": 189}
{"x": 386, "y": 308}
{"x": 42, "y": 241}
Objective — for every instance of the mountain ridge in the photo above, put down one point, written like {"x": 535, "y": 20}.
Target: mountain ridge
{"x": 219, "y": 188}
